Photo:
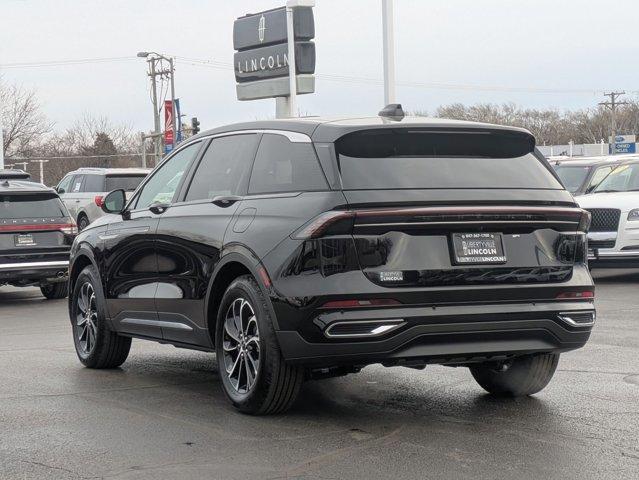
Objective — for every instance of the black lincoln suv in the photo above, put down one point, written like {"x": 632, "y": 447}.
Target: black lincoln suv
{"x": 309, "y": 248}
{"x": 36, "y": 233}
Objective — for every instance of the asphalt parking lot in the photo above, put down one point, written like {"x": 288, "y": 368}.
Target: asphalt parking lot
{"x": 163, "y": 414}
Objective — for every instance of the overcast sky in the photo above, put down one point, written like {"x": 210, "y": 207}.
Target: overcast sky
{"x": 575, "y": 48}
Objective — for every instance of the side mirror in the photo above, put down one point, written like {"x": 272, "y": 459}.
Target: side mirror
{"x": 60, "y": 190}
{"x": 114, "y": 202}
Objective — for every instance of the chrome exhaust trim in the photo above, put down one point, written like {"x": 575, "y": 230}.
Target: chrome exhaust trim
{"x": 574, "y": 319}
{"x": 362, "y": 328}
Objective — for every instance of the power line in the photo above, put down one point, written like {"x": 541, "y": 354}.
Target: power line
{"x": 220, "y": 65}
{"x": 61, "y": 63}
{"x": 47, "y": 157}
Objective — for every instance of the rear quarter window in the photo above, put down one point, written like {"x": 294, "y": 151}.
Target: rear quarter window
{"x": 128, "y": 183}
{"x": 413, "y": 159}
{"x": 285, "y": 166}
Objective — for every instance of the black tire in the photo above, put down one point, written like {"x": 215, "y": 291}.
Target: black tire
{"x": 275, "y": 384}
{"x": 83, "y": 222}
{"x": 55, "y": 291}
{"x": 105, "y": 348}
{"x": 519, "y": 377}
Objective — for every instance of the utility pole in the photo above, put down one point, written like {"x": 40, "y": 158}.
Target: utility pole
{"x": 156, "y": 112}
{"x": 389, "y": 51}
{"x": 152, "y": 59}
{"x": 1, "y": 141}
{"x": 612, "y": 105}
{"x": 41, "y": 162}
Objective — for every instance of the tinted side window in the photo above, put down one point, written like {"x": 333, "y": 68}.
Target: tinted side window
{"x": 164, "y": 181}
{"x": 93, "y": 183}
{"x": 224, "y": 167}
{"x": 285, "y": 166}
{"x": 76, "y": 186}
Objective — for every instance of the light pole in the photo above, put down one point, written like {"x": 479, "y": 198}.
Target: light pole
{"x": 389, "y": 51}
{"x": 152, "y": 58}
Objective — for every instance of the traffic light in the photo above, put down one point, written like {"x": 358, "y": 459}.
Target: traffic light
{"x": 195, "y": 125}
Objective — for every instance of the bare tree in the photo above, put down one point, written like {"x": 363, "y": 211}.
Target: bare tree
{"x": 549, "y": 126}
{"x": 24, "y": 125}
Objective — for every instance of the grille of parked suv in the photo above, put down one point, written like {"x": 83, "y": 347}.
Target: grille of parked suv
{"x": 601, "y": 243}
{"x": 604, "y": 219}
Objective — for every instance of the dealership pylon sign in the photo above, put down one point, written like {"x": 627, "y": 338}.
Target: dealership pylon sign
{"x": 262, "y": 57}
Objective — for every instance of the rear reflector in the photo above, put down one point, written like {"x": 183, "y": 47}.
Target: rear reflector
{"x": 375, "y": 302}
{"x": 575, "y": 295}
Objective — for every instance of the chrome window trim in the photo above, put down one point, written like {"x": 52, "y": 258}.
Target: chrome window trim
{"x": 294, "y": 137}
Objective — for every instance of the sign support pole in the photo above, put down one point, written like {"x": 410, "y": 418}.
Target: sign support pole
{"x": 292, "y": 78}
{"x": 1, "y": 141}
{"x": 389, "y": 51}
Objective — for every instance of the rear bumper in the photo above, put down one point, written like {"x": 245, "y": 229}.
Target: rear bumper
{"x": 51, "y": 270}
{"x": 447, "y": 335}
{"x": 613, "y": 258}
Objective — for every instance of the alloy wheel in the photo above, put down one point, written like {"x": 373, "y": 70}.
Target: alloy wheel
{"x": 241, "y": 345}
{"x": 86, "y": 319}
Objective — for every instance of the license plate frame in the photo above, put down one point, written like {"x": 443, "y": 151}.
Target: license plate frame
{"x": 483, "y": 248}
{"x": 24, "y": 240}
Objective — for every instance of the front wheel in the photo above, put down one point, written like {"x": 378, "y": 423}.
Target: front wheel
{"x": 96, "y": 345}
{"x": 518, "y": 377}
{"x": 254, "y": 376}
{"x": 55, "y": 291}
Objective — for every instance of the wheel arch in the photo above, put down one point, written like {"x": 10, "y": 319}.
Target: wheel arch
{"x": 82, "y": 259}
{"x": 230, "y": 267}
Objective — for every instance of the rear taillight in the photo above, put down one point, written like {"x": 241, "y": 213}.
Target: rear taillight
{"x": 375, "y": 302}
{"x": 99, "y": 200}
{"x": 575, "y": 295}
{"x": 325, "y": 221}
{"x": 69, "y": 228}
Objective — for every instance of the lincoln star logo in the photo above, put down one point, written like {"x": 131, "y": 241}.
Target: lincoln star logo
{"x": 260, "y": 28}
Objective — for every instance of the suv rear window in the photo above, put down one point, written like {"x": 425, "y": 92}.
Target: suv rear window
{"x": 126, "y": 182}
{"x": 31, "y": 206}
{"x": 409, "y": 158}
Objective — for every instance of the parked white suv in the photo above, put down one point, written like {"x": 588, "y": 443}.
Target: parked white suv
{"x": 82, "y": 191}
{"x": 613, "y": 240}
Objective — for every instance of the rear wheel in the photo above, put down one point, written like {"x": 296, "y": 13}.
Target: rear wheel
{"x": 83, "y": 222}
{"x": 95, "y": 344}
{"x": 254, "y": 376}
{"x": 518, "y": 377}
{"x": 55, "y": 291}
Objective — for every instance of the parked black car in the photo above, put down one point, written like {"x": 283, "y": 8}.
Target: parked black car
{"x": 36, "y": 234}
{"x": 310, "y": 248}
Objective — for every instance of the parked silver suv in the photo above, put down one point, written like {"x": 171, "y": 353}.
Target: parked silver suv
{"x": 82, "y": 190}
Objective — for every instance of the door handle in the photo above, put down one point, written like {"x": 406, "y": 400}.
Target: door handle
{"x": 159, "y": 208}
{"x": 225, "y": 200}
